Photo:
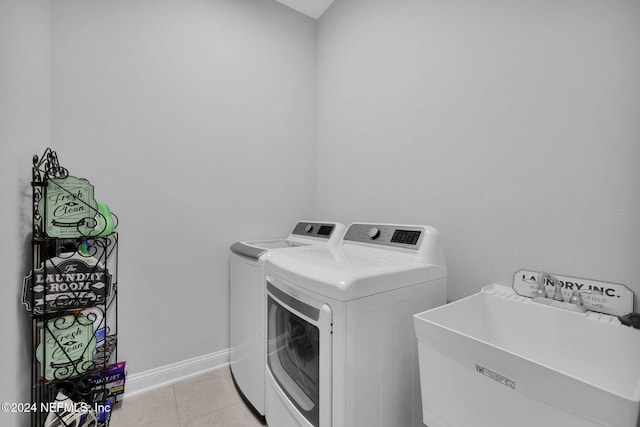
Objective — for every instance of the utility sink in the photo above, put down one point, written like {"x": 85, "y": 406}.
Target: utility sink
{"x": 498, "y": 359}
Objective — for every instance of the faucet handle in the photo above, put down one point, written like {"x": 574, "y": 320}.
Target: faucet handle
{"x": 540, "y": 290}
{"x": 589, "y": 292}
{"x": 576, "y": 296}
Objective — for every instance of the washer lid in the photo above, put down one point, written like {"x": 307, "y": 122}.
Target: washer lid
{"x": 345, "y": 273}
{"x": 256, "y": 249}
{"x": 304, "y": 233}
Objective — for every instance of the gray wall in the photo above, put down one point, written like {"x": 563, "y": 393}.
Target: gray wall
{"x": 197, "y": 118}
{"x": 512, "y": 127}
{"x": 194, "y": 120}
{"x": 24, "y": 131}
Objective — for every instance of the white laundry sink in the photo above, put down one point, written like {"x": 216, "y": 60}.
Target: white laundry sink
{"x": 499, "y": 359}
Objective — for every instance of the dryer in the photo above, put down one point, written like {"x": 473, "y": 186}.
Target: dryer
{"x": 340, "y": 340}
{"x": 247, "y": 342}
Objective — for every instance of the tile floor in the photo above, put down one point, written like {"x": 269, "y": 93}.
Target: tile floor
{"x": 206, "y": 400}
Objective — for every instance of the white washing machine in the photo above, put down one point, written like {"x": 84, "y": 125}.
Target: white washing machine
{"x": 247, "y": 342}
{"x": 341, "y": 347}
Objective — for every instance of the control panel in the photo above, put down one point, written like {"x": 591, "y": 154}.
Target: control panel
{"x": 314, "y": 229}
{"x": 401, "y": 236}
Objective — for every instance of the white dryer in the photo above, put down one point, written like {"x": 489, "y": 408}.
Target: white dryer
{"x": 341, "y": 350}
{"x": 247, "y": 342}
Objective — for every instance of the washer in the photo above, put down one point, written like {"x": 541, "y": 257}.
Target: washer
{"x": 247, "y": 316}
{"x": 340, "y": 340}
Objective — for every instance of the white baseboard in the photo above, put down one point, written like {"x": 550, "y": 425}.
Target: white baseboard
{"x": 164, "y": 375}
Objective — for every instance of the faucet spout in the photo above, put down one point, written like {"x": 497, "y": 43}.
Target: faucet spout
{"x": 557, "y": 285}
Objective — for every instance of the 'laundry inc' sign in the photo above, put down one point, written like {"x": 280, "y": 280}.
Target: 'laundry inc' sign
{"x": 600, "y": 296}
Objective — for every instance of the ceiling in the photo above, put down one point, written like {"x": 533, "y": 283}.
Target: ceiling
{"x": 312, "y": 8}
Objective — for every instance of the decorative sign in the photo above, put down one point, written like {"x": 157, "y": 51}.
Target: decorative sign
{"x": 66, "y": 347}
{"x": 604, "y": 297}
{"x": 68, "y": 207}
{"x": 72, "y": 282}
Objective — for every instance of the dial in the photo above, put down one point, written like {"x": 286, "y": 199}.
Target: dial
{"x": 308, "y": 228}
{"x": 374, "y": 233}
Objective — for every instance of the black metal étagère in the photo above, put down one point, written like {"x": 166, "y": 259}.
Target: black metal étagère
{"x": 71, "y": 295}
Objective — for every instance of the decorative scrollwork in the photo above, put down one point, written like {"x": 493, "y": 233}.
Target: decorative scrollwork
{"x": 47, "y": 166}
{"x": 44, "y": 168}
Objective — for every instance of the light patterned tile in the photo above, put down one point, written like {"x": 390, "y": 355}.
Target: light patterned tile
{"x": 237, "y": 415}
{"x": 206, "y": 400}
{"x": 155, "y": 408}
{"x": 204, "y": 394}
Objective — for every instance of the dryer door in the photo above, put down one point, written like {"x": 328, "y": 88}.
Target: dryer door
{"x": 299, "y": 351}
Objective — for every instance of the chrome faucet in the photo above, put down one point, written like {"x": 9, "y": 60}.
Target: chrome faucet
{"x": 555, "y": 299}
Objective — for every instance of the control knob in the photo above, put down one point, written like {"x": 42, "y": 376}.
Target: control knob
{"x": 308, "y": 228}
{"x": 374, "y": 233}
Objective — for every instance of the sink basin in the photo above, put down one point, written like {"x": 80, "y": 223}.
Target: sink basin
{"x": 499, "y": 359}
